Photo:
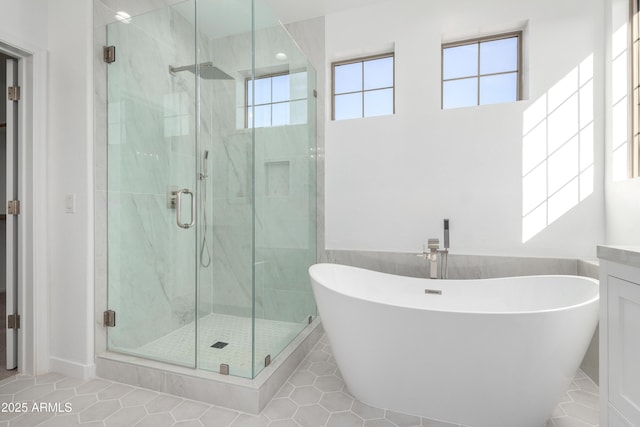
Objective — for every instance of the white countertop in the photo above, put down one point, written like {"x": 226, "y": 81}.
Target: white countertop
{"x": 628, "y": 255}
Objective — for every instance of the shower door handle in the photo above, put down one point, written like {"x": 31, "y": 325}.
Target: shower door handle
{"x": 178, "y": 195}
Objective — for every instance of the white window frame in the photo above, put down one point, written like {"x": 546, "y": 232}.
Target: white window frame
{"x": 363, "y": 91}
{"x": 478, "y": 41}
{"x": 248, "y": 81}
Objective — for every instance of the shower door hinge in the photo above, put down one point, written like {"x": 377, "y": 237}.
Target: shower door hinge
{"x": 109, "y": 318}
{"x": 13, "y": 321}
{"x": 267, "y": 360}
{"x": 315, "y": 93}
{"x": 13, "y": 207}
{"x": 13, "y": 93}
{"x": 109, "y": 54}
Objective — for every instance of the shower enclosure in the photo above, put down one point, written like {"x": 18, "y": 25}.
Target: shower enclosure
{"x": 211, "y": 185}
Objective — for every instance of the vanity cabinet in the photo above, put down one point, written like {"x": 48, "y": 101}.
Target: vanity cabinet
{"x": 619, "y": 336}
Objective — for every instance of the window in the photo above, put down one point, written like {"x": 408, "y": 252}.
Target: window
{"x": 482, "y": 71}
{"x": 279, "y": 100}
{"x": 363, "y": 87}
{"x": 634, "y": 150}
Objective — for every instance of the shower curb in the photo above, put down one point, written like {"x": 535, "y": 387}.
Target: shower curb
{"x": 236, "y": 393}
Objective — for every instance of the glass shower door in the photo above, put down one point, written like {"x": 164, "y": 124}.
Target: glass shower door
{"x": 152, "y": 154}
{"x": 284, "y": 126}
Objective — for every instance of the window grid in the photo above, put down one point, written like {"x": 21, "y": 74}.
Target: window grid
{"x": 478, "y": 41}
{"x": 634, "y": 146}
{"x": 363, "y": 90}
{"x": 249, "y": 89}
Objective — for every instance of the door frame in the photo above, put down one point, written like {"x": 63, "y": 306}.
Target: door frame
{"x": 11, "y": 243}
{"x": 33, "y": 286}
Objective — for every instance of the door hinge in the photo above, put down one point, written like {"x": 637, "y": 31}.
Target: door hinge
{"x": 109, "y": 318}
{"x": 109, "y": 54}
{"x": 13, "y": 207}
{"x": 13, "y": 321}
{"x": 13, "y": 93}
{"x": 315, "y": 93}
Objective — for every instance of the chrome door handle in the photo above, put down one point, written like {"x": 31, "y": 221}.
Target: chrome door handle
{"x": 178, "y": 195}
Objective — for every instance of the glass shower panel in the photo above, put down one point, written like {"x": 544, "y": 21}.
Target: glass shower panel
{"x": 284, "y": 184}
{"x": 225, "y": 258}
{"x": 152, "y": 151}
{"x": 211, "y": 212}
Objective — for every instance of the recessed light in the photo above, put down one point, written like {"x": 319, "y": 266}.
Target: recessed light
{"x": 123, "y": 17}
{"x": 281, "y": 56}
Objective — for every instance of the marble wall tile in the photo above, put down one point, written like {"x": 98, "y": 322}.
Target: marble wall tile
{"x": 151, "y": 147}
{"x": 140, "y": 269}
{"x": 288, "y": 306}
{"x": 377, "y": 261}
{"x": 309, "y": 35}
{"x": 588, "y": 268}
{"x": 493, "y": 266}
{"x": 465, "y": 266}
{"x": 460, "y": 266}
{"x": 282, "y": 221}
{"x": 231, "y": 215}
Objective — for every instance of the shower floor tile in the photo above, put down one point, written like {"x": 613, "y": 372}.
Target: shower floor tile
{"x": 178, "y": 347}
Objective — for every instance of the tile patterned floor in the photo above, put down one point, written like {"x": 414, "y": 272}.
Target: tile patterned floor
{"x": 314, "y": 395}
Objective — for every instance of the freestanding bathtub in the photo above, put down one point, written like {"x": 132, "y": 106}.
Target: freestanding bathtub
{"x": 483, "y": 353}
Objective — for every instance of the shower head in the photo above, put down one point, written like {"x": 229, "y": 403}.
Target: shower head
{"x": 207, "y": 71}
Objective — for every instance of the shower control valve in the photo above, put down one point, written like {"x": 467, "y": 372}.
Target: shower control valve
{"x": 171, "y": 196}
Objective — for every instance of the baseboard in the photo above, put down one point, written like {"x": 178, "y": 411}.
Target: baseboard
{"x": 71, "y": 368}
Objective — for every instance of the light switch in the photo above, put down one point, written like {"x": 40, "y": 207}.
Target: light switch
{"x": 70, "y": 203}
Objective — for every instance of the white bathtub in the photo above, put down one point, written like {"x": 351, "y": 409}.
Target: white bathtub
{"x": 484, "y": 353}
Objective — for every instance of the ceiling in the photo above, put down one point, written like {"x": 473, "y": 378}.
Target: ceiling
{"x": 300, "y": 10}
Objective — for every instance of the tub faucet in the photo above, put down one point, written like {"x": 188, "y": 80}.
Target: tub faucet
{"x": 437, "y": 256}
{"x": 432, "y": 256}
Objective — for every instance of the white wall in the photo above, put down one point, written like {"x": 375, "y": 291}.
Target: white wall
{"x": 25, "y": 20}
{"x": 622, "y": 201}
{"x": 391, "y": 180}
{"x": 66, "y": 32}
{"x": 24, "y": 25}
{"x": 70, "y": 166}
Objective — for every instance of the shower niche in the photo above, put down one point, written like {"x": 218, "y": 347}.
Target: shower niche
{"x": 208, "y": 237}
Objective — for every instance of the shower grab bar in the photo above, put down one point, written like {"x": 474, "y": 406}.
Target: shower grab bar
{"x": 178, "y": 195}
